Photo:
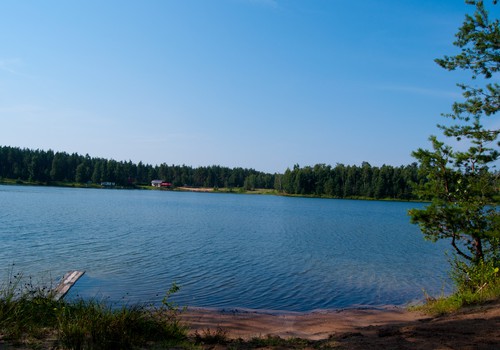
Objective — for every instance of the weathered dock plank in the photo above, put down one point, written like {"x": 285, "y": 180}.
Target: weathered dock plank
{"x": 66, "y": 283}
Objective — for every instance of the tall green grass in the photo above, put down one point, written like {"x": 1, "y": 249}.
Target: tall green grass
{"x": 476, "y": 284}
{"x": 25, "y": 310}
{"x": 28, "y": 313}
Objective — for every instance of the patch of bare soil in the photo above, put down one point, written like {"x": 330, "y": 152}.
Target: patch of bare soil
{"x": 195, "y": 189}
{"x": 474, "y": 328}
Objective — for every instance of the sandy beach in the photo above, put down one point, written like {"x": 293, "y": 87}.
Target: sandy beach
{"x": 389, "y": 328}
{"x": 246, "y": 324}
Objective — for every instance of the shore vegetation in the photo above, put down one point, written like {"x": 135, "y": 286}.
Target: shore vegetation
{"x": 30, "y": 317}
{"x": 40, "y": 167}
{"x": 460, "y": 170}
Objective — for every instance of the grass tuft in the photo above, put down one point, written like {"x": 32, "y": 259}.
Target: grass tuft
{"x": 443, "y": 305}
{"x": 28, "y": 313}
{"x": 208, "y": 336}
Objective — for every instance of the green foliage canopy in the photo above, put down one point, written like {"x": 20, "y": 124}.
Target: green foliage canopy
{"x": 339, "y": 181}
{"x": 462, "y": 180}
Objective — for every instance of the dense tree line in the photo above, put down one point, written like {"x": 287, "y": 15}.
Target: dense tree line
{"x": 340, "y": 181}
{"x": 49, "y": 166}
{"x": 350, "y": 181}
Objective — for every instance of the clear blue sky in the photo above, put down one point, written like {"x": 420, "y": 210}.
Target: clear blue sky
{"x": 261, "y": 84}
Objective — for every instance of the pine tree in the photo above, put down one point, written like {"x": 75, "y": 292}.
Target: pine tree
{"x": 461, "y": 180}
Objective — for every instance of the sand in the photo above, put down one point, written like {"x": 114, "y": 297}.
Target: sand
{"x": 388, "y": 328}
{"x": 246, "y": 324}
{"x": 358, "y": 329}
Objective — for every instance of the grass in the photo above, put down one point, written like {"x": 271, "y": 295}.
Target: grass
{"x": 208, "y": 336}
{"x": 211, "y": 338}
{"x": 31, "y": 319}
{"x": 29, "y": 315}
{"x": 86, "y": 324}
{"x": 442, "y": 305}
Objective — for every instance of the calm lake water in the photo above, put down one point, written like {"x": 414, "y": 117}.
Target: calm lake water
{"x": 223, "y": 250}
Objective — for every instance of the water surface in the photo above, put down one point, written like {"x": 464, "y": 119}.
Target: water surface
{"x": 224, "y": 250}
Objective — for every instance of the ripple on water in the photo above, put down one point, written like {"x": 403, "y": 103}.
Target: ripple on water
{"x": 258, "y": 252}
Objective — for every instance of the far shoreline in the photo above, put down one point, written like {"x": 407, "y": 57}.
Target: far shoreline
{"x": 238, "y": 190}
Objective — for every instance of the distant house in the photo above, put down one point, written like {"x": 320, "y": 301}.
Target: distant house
{"x": 156, "y": 183}
{"x": 161, "y": 183}
{"x": 107, "y": 184}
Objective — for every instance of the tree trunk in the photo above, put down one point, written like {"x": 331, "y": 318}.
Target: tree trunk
{"x": 478, "y": 246}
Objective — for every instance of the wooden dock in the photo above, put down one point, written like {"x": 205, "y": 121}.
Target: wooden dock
{"x": 66, "y": 283}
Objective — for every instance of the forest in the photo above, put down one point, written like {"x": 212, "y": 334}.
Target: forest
{"x": 321, "y": 180}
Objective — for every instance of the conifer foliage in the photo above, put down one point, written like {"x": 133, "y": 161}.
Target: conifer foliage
{"x": 460, "y": 170}
{"x": 321, "y": 180}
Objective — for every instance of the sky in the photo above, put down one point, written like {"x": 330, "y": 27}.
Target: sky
{"x": 262, "y": 84}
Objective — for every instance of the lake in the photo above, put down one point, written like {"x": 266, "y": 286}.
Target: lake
{"x": 223, "y": 250}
